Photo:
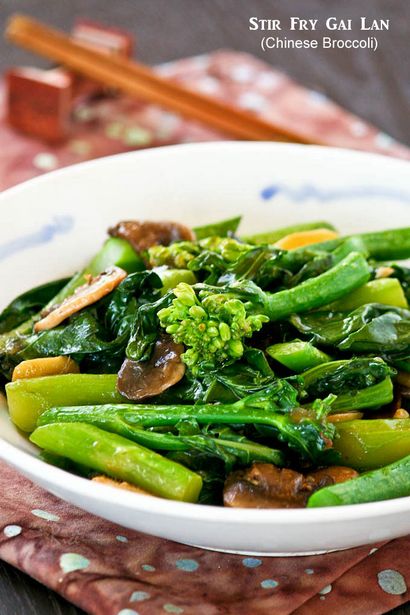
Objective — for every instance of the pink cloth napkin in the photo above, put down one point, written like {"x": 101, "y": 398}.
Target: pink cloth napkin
{"x": 106, "y": 569}
{"x": 109, "y": 570}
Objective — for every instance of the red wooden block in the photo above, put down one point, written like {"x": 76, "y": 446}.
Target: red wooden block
{"x": 39, "y": 102}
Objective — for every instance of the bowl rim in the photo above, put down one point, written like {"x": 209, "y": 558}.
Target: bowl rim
{"x": 180, "y": 148}
{"x": 200, "y": 512}
{"x": 72, "y": 483}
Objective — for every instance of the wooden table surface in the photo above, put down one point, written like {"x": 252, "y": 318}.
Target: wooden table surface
{"x": 375, "y": 85}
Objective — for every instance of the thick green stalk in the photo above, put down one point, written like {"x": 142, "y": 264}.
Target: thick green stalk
{"x": 119, "y": 458}
{"x": 124, "y": 417}
{"x": 350, "y": 273}
{"x": 387, "y": 291}
{"x": 367, "y": 445}
{"x": 374, "y": 396}
{"x": 297, "y": 355}
{"x": 172, "y": 277}
{"x": 149, "y": 415}
{"x": 245, "y": 450}
{"x": 118, "y": 252}
{"x": 382, "y": 246}
{"x": 28, "y": 398}
{"x": 392, "y": 481}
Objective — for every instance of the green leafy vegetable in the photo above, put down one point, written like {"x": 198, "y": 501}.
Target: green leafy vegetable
{"x": 372, "y": 328}
{"x": 25, "y": 306}
{"x": 221, "y": 229}
{"x": 308, "y": 434}
{"x": 213, "y": 321}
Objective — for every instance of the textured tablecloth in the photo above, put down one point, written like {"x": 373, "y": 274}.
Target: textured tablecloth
{"x": 106, "y": 569}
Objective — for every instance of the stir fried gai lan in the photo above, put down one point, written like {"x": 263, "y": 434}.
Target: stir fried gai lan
{"x": 203, "y": 366}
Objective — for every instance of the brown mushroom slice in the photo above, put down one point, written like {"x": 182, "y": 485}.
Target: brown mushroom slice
{"x": 263, "y": 485}
{"x": 87, "y": 294}
{"x": 145, "y": 234}
{"x": 140, "y": 379}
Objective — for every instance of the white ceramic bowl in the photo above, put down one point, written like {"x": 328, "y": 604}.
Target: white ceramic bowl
{"x": 51, "y": 226}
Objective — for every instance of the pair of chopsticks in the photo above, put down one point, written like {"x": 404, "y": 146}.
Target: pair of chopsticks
{"x": 140, "y": 81}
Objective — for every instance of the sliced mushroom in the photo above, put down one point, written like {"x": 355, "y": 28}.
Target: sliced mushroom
{"x": 140, "y": 379}
{"x": 85, "y": 295}
{"x": 143, "y": 235}
{"x": 263, "y": 485}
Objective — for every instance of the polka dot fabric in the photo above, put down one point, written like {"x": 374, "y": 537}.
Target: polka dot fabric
{"x": 109, "y": 570}
{"x": 119, "y": 124}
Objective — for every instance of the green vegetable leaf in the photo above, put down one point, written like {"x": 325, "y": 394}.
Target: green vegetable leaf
{"x": 28, "y": 304}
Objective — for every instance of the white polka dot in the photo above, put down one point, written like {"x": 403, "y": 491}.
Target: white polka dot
{"x": 392, "y": 582}
{"x": 84, "y": 113}
{"x": 170, "y": 121}
{"x": 200, "y": 62}
{"x": 383, "y": 140}
{"x": 70, "y": 562}
{"x": 268, "y": 80}
{"x": 242, "y": 73}
{"x": 166, "y": 69}
{"x": 358, "y": 129}
{"x": 148, "y": 568}
{"x": 139, "y": 596}
{"x": 252, "y": 101}
{"x": 12, "y": 530}
{"x": 45, "y": 161}
{"x": 208, "y": 85}
{"x": 43, "y": 514}
{"x": 326, "y": 590}
{"x": 317, "y": 98}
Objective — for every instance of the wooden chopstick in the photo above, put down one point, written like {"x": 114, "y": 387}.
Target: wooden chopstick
{"x": 140, "y": 81}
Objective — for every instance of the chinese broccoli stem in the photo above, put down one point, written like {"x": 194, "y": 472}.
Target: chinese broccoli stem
{"x": 297, "y": 355}
{"x": 381, "y": 246}
{"x": 172, "y": 277}
{"x": 392, "y": 481}
{"x": 245, "y": 450}
{"x": 367, "y": 445}
{"x": 28, "y": 398}
{"x": 370, "y": 397}
{"x": 387, "y": 291}
{"x": 119, "y": 458}
{"x": 306, "y": 435}
{"x": 352, "y": 272}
